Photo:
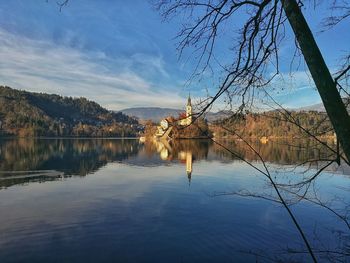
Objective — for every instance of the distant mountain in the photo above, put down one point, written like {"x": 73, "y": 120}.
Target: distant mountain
{"x": 319, "y": 107}
{"x": 315, "y": 107}
{"x": 25, "y": 113}
{"x": 220, "y": 115}
{"x": 156, "y": 114}
{"x": 151, "y": 113}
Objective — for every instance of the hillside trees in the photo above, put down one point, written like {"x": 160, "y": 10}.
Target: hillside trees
{"x": 274, "y": 124}
{"x": 38, "y": 114}
{"x": 198, "y": 129}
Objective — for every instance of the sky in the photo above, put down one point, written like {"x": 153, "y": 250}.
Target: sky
{"x": 122, "y": 54}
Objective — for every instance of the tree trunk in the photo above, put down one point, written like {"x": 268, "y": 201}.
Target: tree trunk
{"x": 325, "y": 84}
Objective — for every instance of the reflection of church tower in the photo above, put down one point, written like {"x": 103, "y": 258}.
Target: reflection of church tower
{"x": 189, "y": 110}
{"x": 189, "y": 165}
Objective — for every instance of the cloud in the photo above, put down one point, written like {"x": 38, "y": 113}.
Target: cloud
{"x": 294, "y": 89}
{"x": 42, "y": 66}
{"x": 155, "y": 64}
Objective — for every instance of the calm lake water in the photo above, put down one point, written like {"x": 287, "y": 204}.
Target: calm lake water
{"x": 105, "y": 200}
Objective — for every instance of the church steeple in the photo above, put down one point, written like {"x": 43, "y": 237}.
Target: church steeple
{"x": 189, "y": 100}
{"x": 189, "y": 111}
{"x": 189, "y": 165}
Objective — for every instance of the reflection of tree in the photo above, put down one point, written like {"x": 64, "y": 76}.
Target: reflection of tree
{"x": 282, "y": 152}
{"x": 72, "y": 157}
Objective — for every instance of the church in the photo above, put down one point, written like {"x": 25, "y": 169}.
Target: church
{"x": 185, "y": 119}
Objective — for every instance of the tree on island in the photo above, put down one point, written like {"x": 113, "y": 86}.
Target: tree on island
{"x": 197, "y": 129}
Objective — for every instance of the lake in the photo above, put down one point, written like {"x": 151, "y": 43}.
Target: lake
{"x": 120, "y": 200}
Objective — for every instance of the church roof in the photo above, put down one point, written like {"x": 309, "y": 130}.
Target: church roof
{"x": 189, "y": 100}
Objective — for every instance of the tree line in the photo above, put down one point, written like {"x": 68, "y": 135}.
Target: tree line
{"x": 275, "y": 124}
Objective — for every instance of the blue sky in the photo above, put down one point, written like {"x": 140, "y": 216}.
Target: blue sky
{"x": 121, "y": 54}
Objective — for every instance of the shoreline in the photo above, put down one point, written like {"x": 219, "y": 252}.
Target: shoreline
{"x": 69, "y": 138}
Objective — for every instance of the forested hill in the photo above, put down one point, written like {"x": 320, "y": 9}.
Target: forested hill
{"x": 25, "y": 113}
{"x": 276, "y": 124}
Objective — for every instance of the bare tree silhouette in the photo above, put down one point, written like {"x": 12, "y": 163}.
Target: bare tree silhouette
{"x": 255, "y": 57}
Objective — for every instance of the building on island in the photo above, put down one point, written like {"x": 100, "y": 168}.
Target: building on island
{"x": 184, "y": 126}
{"x": 165, "y": 126}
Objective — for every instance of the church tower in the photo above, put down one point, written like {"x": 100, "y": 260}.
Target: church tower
{"x": 189, "y": 165}
{"x": 189, "y": 111}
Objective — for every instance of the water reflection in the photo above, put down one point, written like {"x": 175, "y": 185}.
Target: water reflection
{"x": 79, "y": 157}
{"x": 137, "y": 205}
{"x": 59, "y": 157}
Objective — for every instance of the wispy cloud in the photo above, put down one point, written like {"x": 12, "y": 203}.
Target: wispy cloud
{"x": 294, "y": 89}
{"x": 43, "y": 66}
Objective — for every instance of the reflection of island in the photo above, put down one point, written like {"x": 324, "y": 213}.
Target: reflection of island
{"x": 170, "y": 151}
